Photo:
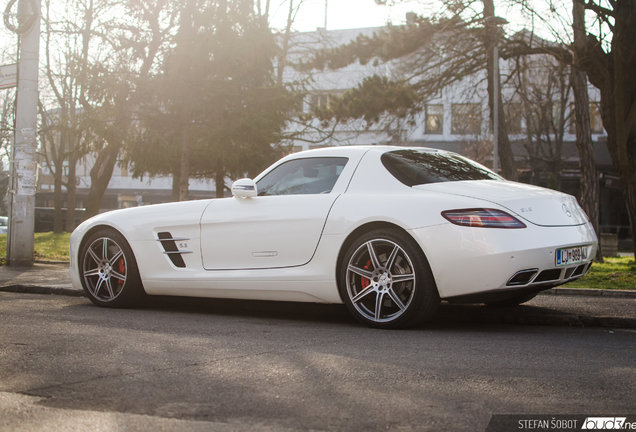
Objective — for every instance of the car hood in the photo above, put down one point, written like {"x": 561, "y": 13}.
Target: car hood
{"x": 534, "y": 204}
{"x": 140, "y": 223}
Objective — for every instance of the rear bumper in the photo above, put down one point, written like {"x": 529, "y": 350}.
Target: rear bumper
{"x": 468, "y": 261}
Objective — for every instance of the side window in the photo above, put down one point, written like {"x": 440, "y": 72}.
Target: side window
{"x": 302, "y": 176}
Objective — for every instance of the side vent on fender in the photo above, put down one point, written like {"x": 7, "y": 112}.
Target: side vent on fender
{"x": 170, "y": 248}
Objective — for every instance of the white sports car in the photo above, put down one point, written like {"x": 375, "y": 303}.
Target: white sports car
{"x": 388, "y": 231}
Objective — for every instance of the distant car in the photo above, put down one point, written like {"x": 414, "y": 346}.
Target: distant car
{"x": 388, "y": 231}
{"x": 4, "y": 224}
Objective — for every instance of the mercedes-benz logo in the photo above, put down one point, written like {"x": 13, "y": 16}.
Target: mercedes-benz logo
{"x": 566, "y": 210}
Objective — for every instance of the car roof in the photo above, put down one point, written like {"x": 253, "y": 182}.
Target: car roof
{"x": 357, "y": 150}
{"x": 350, "y": 151}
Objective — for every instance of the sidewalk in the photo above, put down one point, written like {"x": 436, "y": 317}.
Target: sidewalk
{"x": 42, "y": 278}
{"x": 557, "y": 306}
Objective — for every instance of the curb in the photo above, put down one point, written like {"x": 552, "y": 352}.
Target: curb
{"x": 589, "y": 292}
{"x": 551, "y": 319}
{"x": 51, "y": 262}
{"x": 495, "y": 317}
{"x": 37, "y": 289}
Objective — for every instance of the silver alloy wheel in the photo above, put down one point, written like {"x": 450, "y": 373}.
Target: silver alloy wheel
{"x": 104, "y": 269}
{"x": 380, "y": 280}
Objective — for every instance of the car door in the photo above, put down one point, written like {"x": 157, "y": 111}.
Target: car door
{"x": 281, "y": 227}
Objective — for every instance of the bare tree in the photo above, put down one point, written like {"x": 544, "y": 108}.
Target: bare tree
{"x": 543, "y": 87}
{"x": 65, "y": 63}
{"x": 610, "y": 69}
{"x": 606, "y": 51}
{"x": 490, "y": 38}
{"x": 589, "y": 198}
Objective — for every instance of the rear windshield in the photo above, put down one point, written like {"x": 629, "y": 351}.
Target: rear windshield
{"x": 413, "y": 167}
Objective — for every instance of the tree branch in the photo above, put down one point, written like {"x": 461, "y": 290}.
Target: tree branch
{"x": 599, "y": 10}
{"x": 516, "y": 48}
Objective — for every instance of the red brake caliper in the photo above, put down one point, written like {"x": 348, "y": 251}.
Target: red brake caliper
{"x": 364, "y": 281}
{"x": 121, "y": 264}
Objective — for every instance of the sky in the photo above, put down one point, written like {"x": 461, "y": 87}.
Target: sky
{"x": 345, "y": 14}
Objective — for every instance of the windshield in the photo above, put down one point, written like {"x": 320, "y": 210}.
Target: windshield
{"x": 416, "y": 167}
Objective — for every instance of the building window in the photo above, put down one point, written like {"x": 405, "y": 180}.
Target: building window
{"x": 318, "y": 101}
{"x": 466, "y": 119}
{"x": 434, "y": 119}
{"x": 513, "y": 117}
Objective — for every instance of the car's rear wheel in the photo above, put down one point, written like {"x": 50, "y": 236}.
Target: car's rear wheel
{"x": 108, "y": 270}
{"x": 386, "y": 280}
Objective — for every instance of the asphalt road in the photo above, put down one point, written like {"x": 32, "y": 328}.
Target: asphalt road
{"x": 186, "y": 364}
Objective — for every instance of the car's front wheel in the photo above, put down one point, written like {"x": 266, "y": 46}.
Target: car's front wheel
{"x": 108, "y": 270}
{"x": 386, "y": 281}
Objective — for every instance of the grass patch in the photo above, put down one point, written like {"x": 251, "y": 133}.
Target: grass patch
{"x": 615, "y": 274}
{"x": 48, "y": 246}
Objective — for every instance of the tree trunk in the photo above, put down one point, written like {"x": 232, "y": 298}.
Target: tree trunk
{"x": 56, "y": 166}
{"x": 589, "y": 179}
{"x": 506, "y": 157}
{"x": 587, "y": 166}
{"x": 182, "y": 38}
{"x": 57, "y": 200}
{"x": 629, "y": 194}
{"x": 219, "y": 180}
{"x": 176, "y": 184}
{"x": 184, "y": 167}
{"x": 70, "y": 194}
{"x": 612, "y": 74}
{"x": 101, "y": 174}
{"x": 624, "y": 156}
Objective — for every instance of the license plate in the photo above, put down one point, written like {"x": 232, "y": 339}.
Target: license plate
{"x": 574, "y": 255}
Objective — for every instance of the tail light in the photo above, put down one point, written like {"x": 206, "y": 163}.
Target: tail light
{"x": 482, "y": 218}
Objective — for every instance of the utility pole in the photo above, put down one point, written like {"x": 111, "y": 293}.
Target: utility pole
{"x": 326, "y": 15}
{"x": 495, "y": 128}
{"x": 23, "y": 163}
{"x": 496, "y": 22}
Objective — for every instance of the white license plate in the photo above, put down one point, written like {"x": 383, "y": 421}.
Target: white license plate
{"x": 574, "y": 255}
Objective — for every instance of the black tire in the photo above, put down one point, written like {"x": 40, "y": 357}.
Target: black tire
{"x": 515, "y": 301}
{"x": 108, "y": 270}
{"x": 386, "y": 281}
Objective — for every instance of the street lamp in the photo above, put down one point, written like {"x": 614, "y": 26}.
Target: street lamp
{"x": 497, "y": 22}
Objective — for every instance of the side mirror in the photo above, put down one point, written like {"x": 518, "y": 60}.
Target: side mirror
{"x": 244, "y": 188}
